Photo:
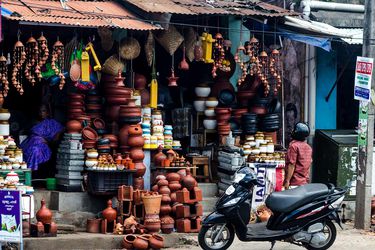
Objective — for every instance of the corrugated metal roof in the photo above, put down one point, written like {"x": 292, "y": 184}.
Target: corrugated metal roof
{"x": 210, "y": 7}
{"x": 355, "y": 34}
{"x": 78, "y": 13}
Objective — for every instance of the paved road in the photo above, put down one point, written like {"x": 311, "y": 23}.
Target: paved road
{"x": 348, "y": 239}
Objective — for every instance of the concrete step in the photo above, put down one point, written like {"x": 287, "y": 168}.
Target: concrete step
{"x": 100, "y": 241}
{"x": 208, "y": 189}
{"x": 209, "y": 204}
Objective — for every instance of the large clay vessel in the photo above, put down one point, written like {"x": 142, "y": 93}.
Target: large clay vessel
{"x": 44, "y": 215}
{"x": 159, "y": 157}
{"x": 141, "y": 169}
{"x": 109, "y": 213}
{"x": 73, "y": 127}
{"x": 188, "y": 181}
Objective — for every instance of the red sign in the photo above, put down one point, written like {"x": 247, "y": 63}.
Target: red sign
{"x": 364, "y": 68}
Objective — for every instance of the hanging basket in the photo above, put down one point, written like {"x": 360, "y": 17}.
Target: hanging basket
{"x": 149, "y": 46}
{"x": 152, "y": 203}
{"x": 129, "y": 48}
{"x": 113, "y": 65}
{"x": 170, "y": 39}
{"x": 190, "y": 40}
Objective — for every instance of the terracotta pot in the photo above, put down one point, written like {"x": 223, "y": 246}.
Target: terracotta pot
{"x": 136, "y": 141}
{"x": 140, "y": 242}
{"x": 174, "y": 207}
{"x": 76, "y": 110}
{"x": 123, "y": 135}
{"x": 223, "y": 116}
{"x": 173, "y": 197}
{"x": 145, "y": 97}
{"x": 76, "y": 104}
{"x": 124, "y": 109}
{"x": 189, "y": 181}
{"x": 128, "y": 240}
{"x": 109, "y": 213}
{"x": 174, "y": 186}
{"x": 135, "y": 130}
{"x": 152, "y": 227}
{"x": 164, "y": 190}
{"x": 182, "y": 173}
{"x": 140, "y": 81}
{"x": 44, "y": 215}
{"x": 93, "y": 106}
{"x": 116, "y": 100}
{"x": 258, "y": 110}
{"x": 117, "y": 91}
{"x": 160, "y": 177}
{"x": 165, "y": 209}
{"x": 162, "y": 183}
{"x": 167, "y": 228}
{"x": 166, "y": 199}
{"x": 138, "y": 183}
{"x": 155, "y": 188}
{"x": 156, "y": 241}
{"x": 73, "y": 127}
{"x": 159, "y": 157}
{"x": 137, "y": 154}
{"x": 93, "y": 225}
{"x": 173, "y": 177}
{"x": 222, "y": 110}
{"x": 141, "y": 169}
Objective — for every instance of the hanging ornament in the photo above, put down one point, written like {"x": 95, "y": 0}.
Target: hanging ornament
{"x": 32, "y": 68}
{"x": 275, "y": 70}
{"x": 43, "y": 53}
{"x": 153, "y": 85}
{"x": 4, "y": 75}
{"x": 19, "y": 58}
{"x": 207, "y": 42}
{"x": 183, "y": 64}
{"x": 57, "y": 62}
{"x": 172, "y": 80}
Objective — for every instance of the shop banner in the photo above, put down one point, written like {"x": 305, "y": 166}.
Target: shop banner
{"x": 362, "y": 123}
{"x": 362, "y": 80}
{"x": 10, "y": 216}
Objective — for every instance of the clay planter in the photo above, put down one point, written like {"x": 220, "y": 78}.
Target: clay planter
{"x": 44, "y": 215}
{"x": 174, "y": 186}
{"x": 173, "y": 177}
{"x": 109, "y": 213}
{"x": 156, "y": 241}
{"x": 155, "y": 188}
{"x": 223, "y": 116}
{"x": 128, "y": 240}
{"x": 152, "y": 226}
{"x": 93, "y": 225}
{"x": 141, "y": 169}
{"x": 152, "y": 203}
{"x": 141, "y": 242}
{"x": 137, "y": 154}
{"x": 136, "y": 141}
{"x": 135, "y": 130}
{"x": 73, "y": 127}
{"x": 167, "y": 228}
{"x": 165, "y": 209}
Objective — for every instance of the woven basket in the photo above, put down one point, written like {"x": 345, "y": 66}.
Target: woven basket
{"x": 170, "y": 39}
{"x": 152, "y": 203}
{"x": 105, "y": 38}
{"x": 149, "y": 46}
{"x": 190, "y": 39}
{"x": 129, "y": 48}
{"x": 113, "y": 65}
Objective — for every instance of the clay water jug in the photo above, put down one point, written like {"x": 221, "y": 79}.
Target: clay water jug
{"x": 44, "y": 215}
{"x": 109, "y": 213}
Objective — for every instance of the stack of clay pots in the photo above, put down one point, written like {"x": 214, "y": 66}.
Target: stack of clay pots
{"x": 152, "y": 203}
{"x": 237, "y": 114}
{"x": 130, "y": 113}
{"x": 249, "y": 123}
{"x": 140, "y": 83}
{"x": 136, "y": 142}
{"x": 99, "y": 126}
{"x": 94, "y": 106}
{"x": 202, "y": 91}
{"x": 104, "y": 146}
{"x": 222, "y": 116}
{"x": 143, "y": 242}
{"x": 76, "y": 105}
{"x": 89, "y": 137}
{"x": 73, "y": 127}
{"x": 210, "y": 120}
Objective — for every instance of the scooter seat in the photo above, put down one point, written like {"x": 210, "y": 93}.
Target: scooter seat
{"x": 291, "y": 199}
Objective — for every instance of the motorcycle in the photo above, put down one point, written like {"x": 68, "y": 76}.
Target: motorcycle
{"x": 301, "y": 216}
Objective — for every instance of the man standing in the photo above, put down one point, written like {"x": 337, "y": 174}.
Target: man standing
{"x": 298, "y": 158}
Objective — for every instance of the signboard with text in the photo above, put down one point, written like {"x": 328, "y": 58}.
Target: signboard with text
{"x": 10, "y": 216}
{"x": 362, "y": 80}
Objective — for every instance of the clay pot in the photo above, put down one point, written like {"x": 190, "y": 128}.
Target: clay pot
{"x": 152, "y": 227}
{"x": 138, "y": 183}
{"x": 173, "y": 177}
{"x": 189, "y": 181}
{"x": 141, "y": 242}
{"x": 116, "y": 100}
{"x": 145, "y": 97}
{"x": 44, "y": 215}
{"x": 128, "y": 240}
{"x": 167, "y": 228}
{"x": 123, "y": 135}
{"x": 165, "y": 199}
{"x": 162, "y": 183}
{"x": 174, "y": 207}
{"x": 137, "y": 154}
{"x": 156, "y": 241}
{"x": 182, "y": 173}
{"x": 93, "y": 225}
{"x": 73, "y": 127}
{"x": 174, "y": 186}
{"x": 159, "y": 157}
{"x": 135, "y": 130}
{"x": 173, "y": 197}
{"x": 112, "y": 112}
{"x": 160, "y": 177}
{"x": 165, "y": 209}
{"x": 109, "y": 213}
{"x": 141, "y": 169}
{"x": 118, "y": 92}
{"x": 164, "y": 190}
{"x": 258, "y": 110}
{"x": 222, "y": 110}
{"x": 140, "y": 81}
{"x": 136, "y": 141}
{"x": 155, "y": 188}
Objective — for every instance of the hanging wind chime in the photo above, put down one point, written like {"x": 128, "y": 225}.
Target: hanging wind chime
{"x": 4, "y": 75}
{"x": 43, "y": 52}
{"x": 19, "y": 58}
{"x": 238, "y": 58}
{"x": 172, "y": 80}
{"x": 32, "y": 68}
{"x": 57, "y": 62}
{"x": 218, "y": 53}
{"x": 275, "y": 70}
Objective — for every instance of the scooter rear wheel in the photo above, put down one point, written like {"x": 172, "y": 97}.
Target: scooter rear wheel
{"x": 329, "y": 229}
{"x": 207, "y": 234}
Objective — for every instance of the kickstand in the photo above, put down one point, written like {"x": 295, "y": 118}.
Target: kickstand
{"x": 273, "y": 243}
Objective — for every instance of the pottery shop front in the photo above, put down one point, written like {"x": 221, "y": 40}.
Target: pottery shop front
{"x": 133, "y": 110}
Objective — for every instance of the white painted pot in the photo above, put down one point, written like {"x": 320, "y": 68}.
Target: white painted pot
{"x": 209, "y": 123}
{"x": 200, "y": 105}
{"x": 202, "y": 91}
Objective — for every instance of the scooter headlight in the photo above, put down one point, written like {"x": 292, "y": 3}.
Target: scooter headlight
{"x": 232, "y": 202}
{"x": 230, "y": 190}
{"x": 238, "y": 177}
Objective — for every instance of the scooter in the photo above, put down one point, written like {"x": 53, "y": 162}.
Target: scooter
{"x": 301, "y": 216}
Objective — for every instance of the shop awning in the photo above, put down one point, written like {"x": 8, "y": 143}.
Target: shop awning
{"x": 92, "y": 14}
{"x": 210, "y": 7}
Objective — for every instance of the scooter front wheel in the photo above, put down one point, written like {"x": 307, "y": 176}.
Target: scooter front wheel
{"x": 216, "y": 237}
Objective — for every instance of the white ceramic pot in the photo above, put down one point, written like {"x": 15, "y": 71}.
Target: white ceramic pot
{"x": 209, "y": 124}
{"x": 209, "y": 112}
{"x": 91, "y": 163}
{"x": 4, "y": 129}
{"x": 4, "y": 116}
{"x": 12, "y": 177}
{"x": 199, "y": 105}
{"x": 212, "y": 103}
{"x": 16, "y": 165}
{"x": 23, "y": 165}
{"x": 93, "y": 154}
{"x": 202, "y": 91}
